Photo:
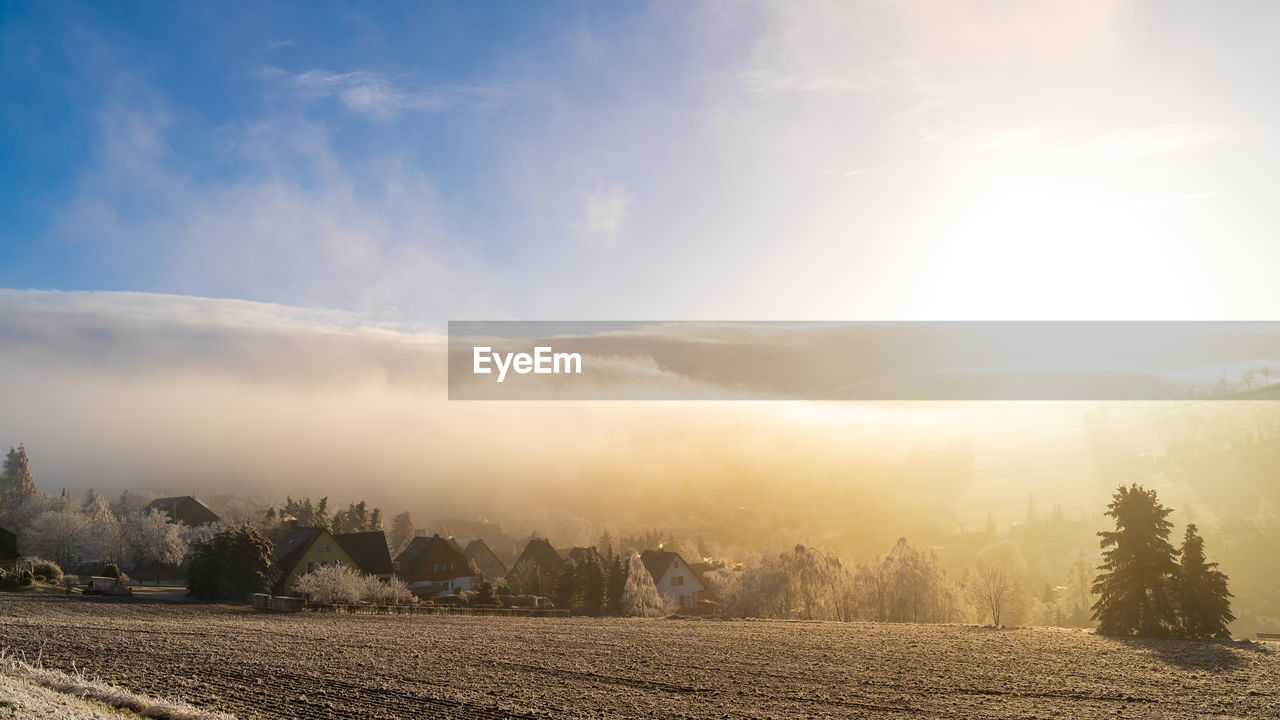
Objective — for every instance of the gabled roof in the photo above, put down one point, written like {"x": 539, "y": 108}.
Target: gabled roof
{"x": 184, "y": 509}
{"x": 539, "y": 551}
{"x": 480, "y": 551}
{"x": 8, "y": 545}
{"x": 657, "y": 562}
{"x": 368, "y": 550}
{"x": 294, "y": 546}
{"x": 420, "y": 546}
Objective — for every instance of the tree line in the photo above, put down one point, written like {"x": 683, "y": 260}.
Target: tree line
{"x": 1145, "y": 586}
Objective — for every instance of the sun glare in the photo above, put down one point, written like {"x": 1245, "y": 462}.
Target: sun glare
{"x": 1030, "y": 253}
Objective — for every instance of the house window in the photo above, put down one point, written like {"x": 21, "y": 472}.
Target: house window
{"x": 319, "y": 547}
{"x": 436, "y": 567}
{"x": 675, "y": 563}
{"x": 677, "y": 580}
{"x": 328, "y": 547}
{"x": 681, "y": 601}
{"x": 311, "y": 566}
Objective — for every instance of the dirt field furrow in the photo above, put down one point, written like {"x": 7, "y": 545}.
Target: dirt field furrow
{"x": 324, "y": 666}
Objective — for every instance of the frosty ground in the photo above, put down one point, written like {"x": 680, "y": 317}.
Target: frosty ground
{"x": 339, "y": 666}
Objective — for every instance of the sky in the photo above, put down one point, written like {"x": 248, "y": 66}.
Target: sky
{"x": 726, "y": 160}
{"x": 259, "y": 179}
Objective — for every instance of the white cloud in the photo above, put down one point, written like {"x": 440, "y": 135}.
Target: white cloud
{"x": 604, "y": 214}
{"x": 299, "y": 223}
{"x": 379, "y": 97}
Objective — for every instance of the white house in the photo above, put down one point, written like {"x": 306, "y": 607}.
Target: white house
{"x": 677, "y": 583}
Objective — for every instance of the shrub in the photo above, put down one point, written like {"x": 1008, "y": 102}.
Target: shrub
{"x": 342, "y": 584}
{"x": 111, "y": 570}
{"x": 230, "y": 565}
{"x": 385, "y": 592}
{"x": 332, "y": 584}
{"x": 26, "y": 578}
{"x": 69, "y": 582}
{"x": 48, "y": 569}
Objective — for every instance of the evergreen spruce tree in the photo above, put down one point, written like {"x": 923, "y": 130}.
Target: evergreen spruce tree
{"x": 615, "y": 584}
{"x": 16, "y": 483}
{"x": 230, "y": 565}
{"x": 1203, "y": 598}
{"x": 1137, "y": 588}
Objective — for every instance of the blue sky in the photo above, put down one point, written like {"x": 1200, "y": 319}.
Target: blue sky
{"x": 584, "y": 160}
{"x": 107, "y": 106}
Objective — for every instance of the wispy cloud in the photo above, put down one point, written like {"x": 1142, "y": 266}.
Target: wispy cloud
{"x": 772, "y": 81}
{"x": 1149, "y": 141}
{"x": 301, "y": 222}
{"x": 604, "y": 213}
{"x": 1175, "y": 199}
{"x": 380, "y": 97}
{"x": 1008, "y": 138}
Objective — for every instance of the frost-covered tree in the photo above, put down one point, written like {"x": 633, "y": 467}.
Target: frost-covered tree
{"x": 16, "y": 483}
{"x": 1265, "y": 520}
{"x": 873, "y": 587}
{"x": 63, "y": 535}
{"x": 37, "y": 503}
{"x": 640, "y": 597}
{"x": 307, "y": 514}
{"x": 758, "y": 588}
{"x": 996, "y": 583}
{"x": 104, "y": 528}
{"x": 993, "y": 589}
{"x": 401, "y": 529}
{"x": 525, "y": 578}
{"x": 1204, "y": 603}
{"x": 1079, "y": 596}
{"x": 904, "y": 586}
{"x": 1137, "y": 592}
{"x": 816, "y": 584}
{"x": 149, "y": 537}
{"x": 915, "y": 580}
{"x": 202, "y": 533}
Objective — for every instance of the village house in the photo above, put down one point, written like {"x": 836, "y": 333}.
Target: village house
{"x": 184, "y": 509}
{"x": 535, "y": 569}
{"x": 487, "y": 562}
{"x": 677, "y": 582}
{"x": 434, "y": 566}
{"x": 306, "y": 548}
